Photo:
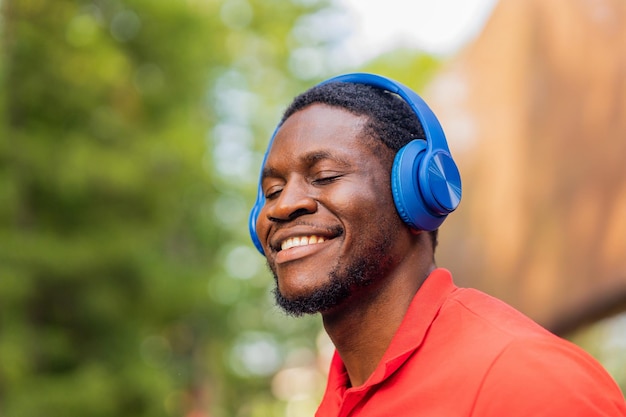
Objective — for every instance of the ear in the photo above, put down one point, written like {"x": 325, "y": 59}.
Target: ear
{"x": 416, "y": 231}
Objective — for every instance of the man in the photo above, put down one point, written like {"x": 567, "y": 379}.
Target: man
{"x": 349, "y": 230}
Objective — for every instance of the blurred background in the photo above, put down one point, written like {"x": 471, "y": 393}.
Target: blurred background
{"x": 131, "y": 134}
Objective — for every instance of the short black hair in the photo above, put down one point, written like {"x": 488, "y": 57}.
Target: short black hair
{"x": 390, "y": 119}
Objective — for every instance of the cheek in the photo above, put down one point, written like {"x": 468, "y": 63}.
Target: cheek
{"x": 373, "y": 197}
{"x": 262, "y": 225}
{"x": 366, "y": 205}
{"x": 382, "y": 214}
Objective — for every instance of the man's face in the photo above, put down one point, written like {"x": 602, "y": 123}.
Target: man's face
{"x": 328, "y": 227}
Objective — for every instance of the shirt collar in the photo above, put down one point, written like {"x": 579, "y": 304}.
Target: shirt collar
{"x": 410, "y": 335}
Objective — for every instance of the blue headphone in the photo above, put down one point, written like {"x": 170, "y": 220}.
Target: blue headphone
{"x": 425, "y": 180}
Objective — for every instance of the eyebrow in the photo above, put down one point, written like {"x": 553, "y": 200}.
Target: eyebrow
{"x": 309, "y": 159}
{"x": 314, "y": 157}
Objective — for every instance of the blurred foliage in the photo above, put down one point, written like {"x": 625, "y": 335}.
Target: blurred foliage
{"x": 606, "y": 341}
{"x": 123, "y": 288}
{"x": 412, "y": 68}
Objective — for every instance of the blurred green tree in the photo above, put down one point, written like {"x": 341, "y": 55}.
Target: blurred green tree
{"x": 128, "y": 286}
{"x": 413, "y": 68}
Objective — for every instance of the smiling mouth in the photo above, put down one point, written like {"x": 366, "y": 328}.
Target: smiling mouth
{"x": 301, "y": 241}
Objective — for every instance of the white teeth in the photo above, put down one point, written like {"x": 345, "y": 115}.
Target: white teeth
{"x": 301, "y": 241}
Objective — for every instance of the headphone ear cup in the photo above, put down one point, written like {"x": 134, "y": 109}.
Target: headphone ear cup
{"x": 254, "y": 215}
{"x": 439, "y": 183}
{"x": 406, "y": 187}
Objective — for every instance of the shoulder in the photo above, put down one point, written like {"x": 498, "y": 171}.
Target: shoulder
{"x": 546, "y": 376}
{"x": 489, "y": 324}
{"x": 524, "y": 369}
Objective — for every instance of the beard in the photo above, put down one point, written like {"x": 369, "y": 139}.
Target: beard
{"x": 368, "y": 263}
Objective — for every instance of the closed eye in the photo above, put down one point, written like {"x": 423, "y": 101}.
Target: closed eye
{"x": 326, "y": 180}
{"x": 273, "y": 192}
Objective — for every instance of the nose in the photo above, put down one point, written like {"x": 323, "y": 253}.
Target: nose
{"x": 293, "y": 201}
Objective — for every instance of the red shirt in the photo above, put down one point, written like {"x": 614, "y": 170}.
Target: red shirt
{"x": 460, "y": 352}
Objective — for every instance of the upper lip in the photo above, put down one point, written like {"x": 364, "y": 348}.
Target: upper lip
{"x": 281, "y": 235}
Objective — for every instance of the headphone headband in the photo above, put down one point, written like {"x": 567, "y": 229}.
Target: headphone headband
{"x": 435, "y": 138}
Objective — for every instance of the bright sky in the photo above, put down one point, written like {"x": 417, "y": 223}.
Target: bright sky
{"x": 435, "y": 26}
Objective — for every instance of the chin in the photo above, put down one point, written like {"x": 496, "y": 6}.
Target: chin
{"x": 317, "y": 300}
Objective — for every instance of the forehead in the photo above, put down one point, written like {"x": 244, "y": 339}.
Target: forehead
{"x": 320, "y": 129}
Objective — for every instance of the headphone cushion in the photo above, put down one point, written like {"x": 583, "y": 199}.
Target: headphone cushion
{"x": 405, "y": 187}
{"x": 252, "y": 219}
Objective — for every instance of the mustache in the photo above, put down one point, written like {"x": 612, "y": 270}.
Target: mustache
{"x": 334, "y": 231}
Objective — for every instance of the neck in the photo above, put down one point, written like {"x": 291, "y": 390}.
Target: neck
{"x": 363, "y": 327}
